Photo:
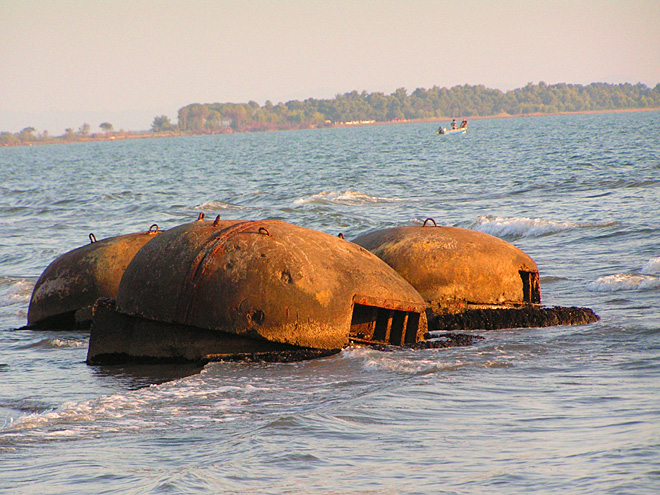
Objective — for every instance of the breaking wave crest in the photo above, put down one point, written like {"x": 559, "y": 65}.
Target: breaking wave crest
{"x": 218, "y": 206}
{"x": 351, "y": 198}
{"x": 646, "y": 279}
{"x": 146, "y": 408}
{"x": 15, "y": 290}
{"x": 528, "y": 227}
{"x": 652, "y": 266}
{"x": 67, "y": 343}
{"x": 624, "y": 281}
{"x": 399, "y": 361}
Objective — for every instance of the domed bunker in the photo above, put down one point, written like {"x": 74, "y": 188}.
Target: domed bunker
{"x": 205, "y": 290}
{"x": 66, "y": 291}
{"x": 468, "y": 279}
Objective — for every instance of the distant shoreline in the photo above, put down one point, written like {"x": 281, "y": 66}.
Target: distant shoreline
{"x": 126, "y": 135}
{"x": 516, "y": 116}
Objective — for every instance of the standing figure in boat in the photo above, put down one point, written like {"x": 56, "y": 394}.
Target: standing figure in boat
{"x": 453, "y": 128}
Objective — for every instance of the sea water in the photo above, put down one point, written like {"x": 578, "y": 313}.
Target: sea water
{"x": 568, "y": 409}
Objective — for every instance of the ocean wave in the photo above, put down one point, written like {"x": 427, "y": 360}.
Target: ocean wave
{"x": 56, "y": 343}
{"x": 127, "y": 412}
{"x": 528, "y": 227}
{"x": 624, "y": 281}
{"x": 15, "y": 290}
{"x": 652, "y": 266}
{"x": 397, "y": 362}
{"x": 218, "y": 205}
{"x": 351, "y": 198}
{"x": 67, "y": 343}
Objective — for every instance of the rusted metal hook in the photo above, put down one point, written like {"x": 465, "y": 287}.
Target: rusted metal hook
{"x": 92, "y": 238}
{"x": 153, "y": 229}
{"x": 429, "y": 219}
{"x": 200, "y": 217}
{"x": 216, "y": 222}
{"x": 341, "y": 236}
{"x": 264, "y": 231}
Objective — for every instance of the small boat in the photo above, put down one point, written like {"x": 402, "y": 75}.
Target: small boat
{"x": 461, "y": 130}
{"x": 454, "y": 130}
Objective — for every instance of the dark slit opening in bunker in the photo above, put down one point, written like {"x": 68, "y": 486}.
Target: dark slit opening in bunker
{"x": 62, "y": 321}
{"x": 383, "y": 325}
{"x": 531, "y": 287}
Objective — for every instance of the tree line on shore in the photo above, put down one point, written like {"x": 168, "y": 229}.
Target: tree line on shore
{"x": 354, "y": 107}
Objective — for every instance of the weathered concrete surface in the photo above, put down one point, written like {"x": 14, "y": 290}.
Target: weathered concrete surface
{"x": 118, "y": 338}
{"x": 67, "y": 289}
{"x": 455, "y": 269}
{"x": 525, "y": 317}
{"x": 254, "y": 283}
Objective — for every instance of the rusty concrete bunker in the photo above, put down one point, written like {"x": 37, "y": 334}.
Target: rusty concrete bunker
{"x": 455, "y": 269}
{"x": 205, "y": 290}
{"x": 67, "y": 289}
{"x": 237, "y": 289}
{"x": 463, "y": 272}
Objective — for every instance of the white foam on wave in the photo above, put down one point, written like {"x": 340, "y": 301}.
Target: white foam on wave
{"x": 15, "y": 290}
{"x": 520, "y": 226}
{"x": 527, "y": 227}
{"x": 352, "y": 198}
{"x": 396, "y": 362}
{"x": 67, "y": 343}
{"x": 218, "y": 205}
{"x": 652, "y": 266}
{"x": 146, "y": 408}
{"x": 646, "y": 279}
{"x": 624, "y": 281}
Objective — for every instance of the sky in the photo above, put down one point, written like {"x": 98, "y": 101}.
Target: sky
{"x": 64, "y": 63}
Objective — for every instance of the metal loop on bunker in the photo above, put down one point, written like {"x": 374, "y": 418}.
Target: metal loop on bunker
{"x": 264, "y": 231}
{"x": 92, "y": 238}
{"x": 153, "y": 229}
{"x": 216, "y": 222}
{"x": 201, "y": 216}
{"x": 429, "y": 219}
{"x": 341, "y": 236}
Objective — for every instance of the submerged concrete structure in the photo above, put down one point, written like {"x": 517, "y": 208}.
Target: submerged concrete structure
{"x": 66, "y": 291}
{"x": 456, "y": 269}
{"x": 206, "y": 290}
{"x": 469, "y": 279}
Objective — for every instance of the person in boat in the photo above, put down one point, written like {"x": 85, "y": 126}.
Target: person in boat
{"x": 453, "y": 124}
{"x": 464, "y": 124}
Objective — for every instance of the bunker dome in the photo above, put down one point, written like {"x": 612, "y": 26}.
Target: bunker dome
{"x": 457, "y": 269}
{"x": 207, "y": 289}
{"x": 66, "y": 291}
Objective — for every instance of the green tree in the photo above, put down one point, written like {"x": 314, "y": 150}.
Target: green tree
{"x": 8, "y": 139}
{"x": 27, "y": 134}
{"x": 161, "y": 124}
{"x": 106, "y": 127}
{"x": 458, "y": 101}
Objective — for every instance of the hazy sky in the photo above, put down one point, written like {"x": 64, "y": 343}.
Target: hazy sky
{"x": 67, "y": 62}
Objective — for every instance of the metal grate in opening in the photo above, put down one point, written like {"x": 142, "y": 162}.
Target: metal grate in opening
{"x": 371, "y": 324}
{"x": 531, "y": 287}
